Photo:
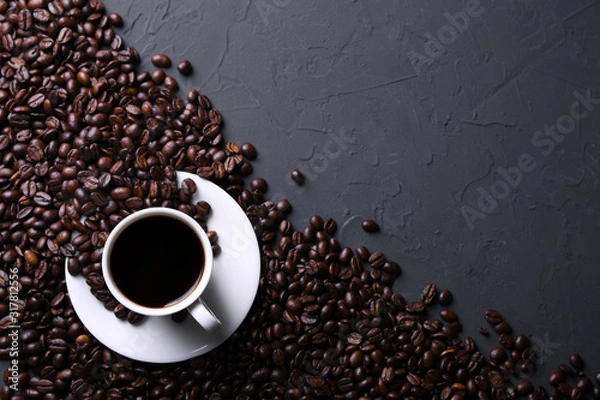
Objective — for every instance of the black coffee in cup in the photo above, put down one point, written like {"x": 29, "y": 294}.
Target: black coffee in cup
{"x": 157, "y": 261}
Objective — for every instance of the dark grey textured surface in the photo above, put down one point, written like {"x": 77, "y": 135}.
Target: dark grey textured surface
{"x": 330, "y": 88}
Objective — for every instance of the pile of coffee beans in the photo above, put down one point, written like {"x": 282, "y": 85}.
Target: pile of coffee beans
{"x": 86, "y": 139}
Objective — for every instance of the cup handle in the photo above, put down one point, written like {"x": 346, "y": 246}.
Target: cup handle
{"x": 204, "y": 316}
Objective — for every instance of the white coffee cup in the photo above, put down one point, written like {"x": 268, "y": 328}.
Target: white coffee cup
{"x": 191, "y": 300}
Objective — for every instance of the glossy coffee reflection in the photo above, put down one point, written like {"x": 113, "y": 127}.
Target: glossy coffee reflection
{"x": 157, "y": 261}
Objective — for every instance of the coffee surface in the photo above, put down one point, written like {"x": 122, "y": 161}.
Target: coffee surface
{"x": 157, "y": 261}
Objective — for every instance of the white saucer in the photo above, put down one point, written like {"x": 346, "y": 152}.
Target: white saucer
{"x": 229, "y": 294}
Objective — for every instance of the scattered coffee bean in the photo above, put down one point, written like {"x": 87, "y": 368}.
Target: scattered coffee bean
{"x": 415, "y": 307}
{"x": 171, "y": 83}
{"x": 161, "y": 60}
{"x": 445, "y": 297}
{"x": 158, "y": 76}
{"x": 298, "y": 176}
{"x": 524, "y": 387}
{"x": 576, "y": 361}
{"x": 502, "y": 327}
{"x": 584, "y": 384}
{"x": 429, "y": 293}
{"x": 521, "y": 342}
{"x": 115, "y": 19}
{"x": 556, "y": 377}
{"x": 185, "y": 67}
{"x": 259, "y": 184}
{"x": 506, "y": 341}
{"x": 448, "y": 315}
{"x": 369, "y": 226}
{"x": 493, "y": 316}
{"x": 249, "y": 151}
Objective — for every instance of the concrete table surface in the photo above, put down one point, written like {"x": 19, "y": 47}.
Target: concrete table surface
{"x": 469, "y": 130}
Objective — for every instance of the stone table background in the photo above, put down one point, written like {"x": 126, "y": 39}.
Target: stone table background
{"x": 405, "y": 113}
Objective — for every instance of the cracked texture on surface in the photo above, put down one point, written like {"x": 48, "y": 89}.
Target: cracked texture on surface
{"x": 413, "y": 148}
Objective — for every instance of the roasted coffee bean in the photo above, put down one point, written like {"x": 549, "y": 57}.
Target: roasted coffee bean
{"x": 521, "y": 342}
{"x": 120, "y": 311}
{"x": 506, "y": 341}
{"x": 445, "y": 297}
{"x": 363, "y": 253}
{"x": 576, "y": 361}
{"x": 415, "y": 307}
{"x": 158, "y": 76}
{"x": 42, "y": 199}
{"x": 584, "y": 384}
{"x": 377, "y": 259}
{"x": 330, "y": 226}
{"x": 369, "y": 226}
{"x": 134, "y": 318}
{"x": 429, "y": 293}
{"x": 115, "y": 19}
{"x": 555, "y": 378}
{"x": 502, "y": 327}
{"x": 498, "y": 354}
{"x": 317, "y": 222}
{"x": 57, "y": 345}
{"x": 185, "y": 67}
{"x": 161, "y": 60}
{"x": 493, "y": 317}
{"x": 259, "y": 184}
{"x": 249, "y": 151}
{"x": 448, "y": 315}
{"x": 44, "y": 386}
{"x": 171, "y": 83}
{"x": 495, "y": 378}
{"x": 528, "y": 354}
{"x": 297, "y": 176}
{"x": 120, "y": 193}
